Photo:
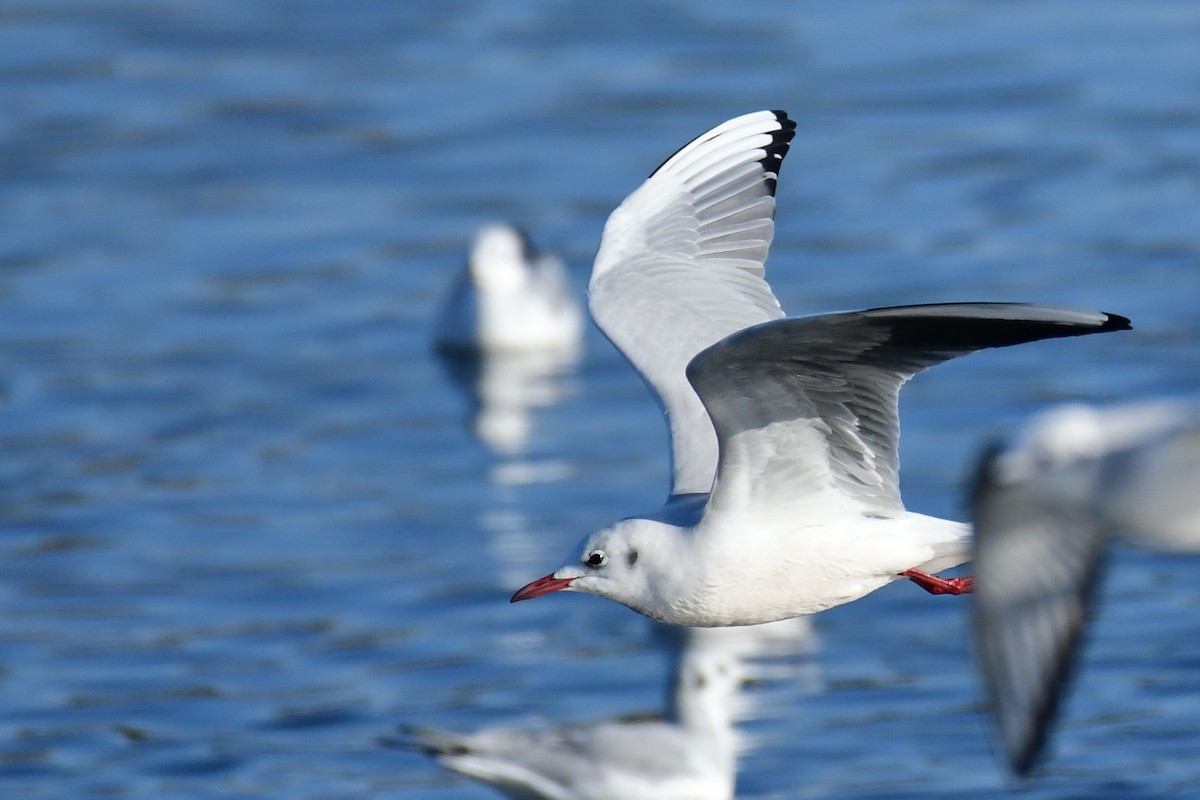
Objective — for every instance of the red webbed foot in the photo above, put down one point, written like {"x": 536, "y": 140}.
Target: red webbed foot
{"x": 935, "y": 585}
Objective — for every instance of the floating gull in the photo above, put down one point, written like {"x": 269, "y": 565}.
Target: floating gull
{"x": 797, "y": 419}
{"x": 690, "y": 754}
{"x": 509, "y": 299}
{"x": 1045, "y": 508}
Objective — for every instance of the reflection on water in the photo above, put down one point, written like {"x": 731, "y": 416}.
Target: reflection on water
{"x": 503, "y": 390}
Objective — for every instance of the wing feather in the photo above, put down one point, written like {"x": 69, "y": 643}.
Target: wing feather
{"x": 680, "y": 266}
{"x": 1037, "y": 559}
{"x": 833, "y": 381}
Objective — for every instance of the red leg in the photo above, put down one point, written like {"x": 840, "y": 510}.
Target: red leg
{"x": 936, "y": 585}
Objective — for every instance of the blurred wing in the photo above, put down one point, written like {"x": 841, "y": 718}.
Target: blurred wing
{"x": 610, "y": 758}
{"x": 1037, "y": 561}
{"x": 1149, "y": 491}
{"x": 680, "y": 266}
{"x": 806, "y": 409}
{"x": 521, "y": 763}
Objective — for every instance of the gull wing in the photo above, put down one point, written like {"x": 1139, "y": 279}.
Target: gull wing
{"x": 643, "y": 758}
{"x": 1148, "y": 491}
{"x": 1038, "y": 553}
{"x": 1044, "y": 510}
{"x": 806, "y": 410}
{"x": 680, "y": 267}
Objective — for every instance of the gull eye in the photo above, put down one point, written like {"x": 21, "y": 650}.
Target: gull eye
{"x": 596, "y": 558}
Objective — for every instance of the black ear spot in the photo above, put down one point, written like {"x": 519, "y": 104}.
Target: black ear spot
{"x": 699, "y": 679}
{"x": 631, "y": 559}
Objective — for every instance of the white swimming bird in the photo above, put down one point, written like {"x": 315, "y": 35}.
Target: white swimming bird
{"x": 509, "y": 299}
{"x": 1045, "y": 507}
{"x": 690, "y": 754}
{"x": 785, "y": 496}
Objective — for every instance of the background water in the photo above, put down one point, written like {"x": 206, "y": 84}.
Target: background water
{"x": 247, "y": 527}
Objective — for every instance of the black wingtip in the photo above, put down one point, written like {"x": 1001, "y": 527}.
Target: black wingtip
{"x": 1115, "y": 322}
{"x": 781, "y": 142}
{"x": 775, "y": 151}
{"x": 977, "y": 326}
{"x": 783, "y": 119}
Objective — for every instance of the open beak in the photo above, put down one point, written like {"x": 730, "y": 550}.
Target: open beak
{"x": 540, "y": 587}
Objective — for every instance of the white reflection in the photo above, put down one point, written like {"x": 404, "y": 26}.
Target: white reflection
{"x": 504, "y": 390}
{"x": 773, "y": 657}
{"x": 690, "y": 753}
{"x": 512, "y": 545}
{"x": 1045, "y": 508}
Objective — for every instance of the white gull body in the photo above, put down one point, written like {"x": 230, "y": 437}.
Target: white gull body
{"x": 688, "y": 754}
{"x": 1046, "y": 506}
{"x": 785, "y": 496}
{"x": 509, "y": 299}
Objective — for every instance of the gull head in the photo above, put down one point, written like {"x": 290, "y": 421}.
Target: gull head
{"x": 617, "y": 563}
{"x": 1076, "y": 434}
{"x": 499, "y": 259}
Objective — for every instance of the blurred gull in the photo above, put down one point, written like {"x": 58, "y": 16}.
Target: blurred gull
{"x": 1045, "y": 508}
{"x": 690, "y": 754}
{"x": 510, "y": 330}
{"x": 785, "y": 496}
{"x": 509, "y": 299}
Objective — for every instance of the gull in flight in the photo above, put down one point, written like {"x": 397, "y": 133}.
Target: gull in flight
{"x": 1045, "y": 508}
{"x": 509, "y": 299}
{"x": 785, "y": 496}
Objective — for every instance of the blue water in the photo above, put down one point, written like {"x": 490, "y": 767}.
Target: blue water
{"x": 246, "y": 526}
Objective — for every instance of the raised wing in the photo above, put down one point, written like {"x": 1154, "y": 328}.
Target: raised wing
{"x": 680, "y": 267}
{"x": 1037, "y": 556}
{"x": 806, "y": 409}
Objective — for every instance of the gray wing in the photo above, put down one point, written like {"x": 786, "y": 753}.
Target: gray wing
{"x": 806, "y": 409}
{"x": 681, "y": 265}
{"x": 552, "y": 763}
{"x": 520, "y": 763}
{"x": 1150, "y": 492}
{"x": 1037, "y": 558}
